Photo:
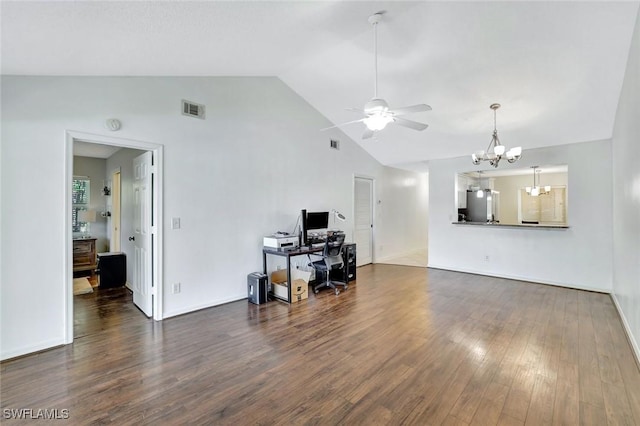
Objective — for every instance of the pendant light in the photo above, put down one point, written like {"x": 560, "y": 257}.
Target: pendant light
{"x": 480, "y": 191}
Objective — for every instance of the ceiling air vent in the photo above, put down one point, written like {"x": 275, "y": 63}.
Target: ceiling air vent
{"x": 335, "y": 144}
{"x": 192, "y": 109}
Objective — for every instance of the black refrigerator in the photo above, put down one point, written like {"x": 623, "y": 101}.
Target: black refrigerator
{"x": 484, "y": 208}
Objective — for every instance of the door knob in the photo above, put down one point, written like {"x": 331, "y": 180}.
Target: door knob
{"x": 132, "y": 238}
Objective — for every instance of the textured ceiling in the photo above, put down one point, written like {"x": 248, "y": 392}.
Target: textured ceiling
{"x": 556, "y": 67}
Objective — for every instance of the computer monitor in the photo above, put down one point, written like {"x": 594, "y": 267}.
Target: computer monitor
{"x": 317, "y": 220}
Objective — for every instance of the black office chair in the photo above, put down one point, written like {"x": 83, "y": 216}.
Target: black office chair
{"x": 331, "y": 259}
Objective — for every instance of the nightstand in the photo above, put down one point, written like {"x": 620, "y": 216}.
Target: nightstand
{"x": 84, "y": 255}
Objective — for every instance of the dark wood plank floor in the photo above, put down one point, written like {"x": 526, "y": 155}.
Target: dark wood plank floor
{"x": 404, "y": 345}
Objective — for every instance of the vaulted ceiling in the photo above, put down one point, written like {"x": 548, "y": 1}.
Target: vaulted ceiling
{"x": 556, "y": 67}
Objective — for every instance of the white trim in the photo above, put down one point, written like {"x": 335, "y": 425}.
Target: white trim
{"x": 198, "y": 307}
{"x": 26, "y": 350}
{"x": 158, "y": 283}
{"x": 519, "y": 278}
{"x": 157, "y": 149}
{"x": 67, "y": 242}
{"x": 632, "y": 341}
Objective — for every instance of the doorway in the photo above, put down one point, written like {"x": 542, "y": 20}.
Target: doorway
{"x": 155, "y": 278}
{"x": 363, "y": 219}
{"x": 114, "y": 228}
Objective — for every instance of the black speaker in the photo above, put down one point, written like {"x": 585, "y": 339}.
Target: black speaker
{"x": 349, "y": 255}
{"x": 303, "y": 215}
{"x": 348, "y": 271}
{"x": 112, "y": 269}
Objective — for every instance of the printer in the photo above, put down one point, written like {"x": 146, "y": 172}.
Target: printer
{"x": 281, "y": 241}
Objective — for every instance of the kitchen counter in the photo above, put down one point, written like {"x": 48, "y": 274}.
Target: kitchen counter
{"x": 505, "y": 225}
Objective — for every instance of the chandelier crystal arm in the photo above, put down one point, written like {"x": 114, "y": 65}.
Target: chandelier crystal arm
{"x": 493, "y": 138}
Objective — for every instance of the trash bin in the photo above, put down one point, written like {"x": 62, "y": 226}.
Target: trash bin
{"x": 112, "y": 269}
{"x": 257, "y": 287}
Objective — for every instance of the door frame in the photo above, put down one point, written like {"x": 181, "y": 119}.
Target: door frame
{"x": 374, "y": 203}
{"x": 116, "y": 199}
{"x": 157, "y": 247}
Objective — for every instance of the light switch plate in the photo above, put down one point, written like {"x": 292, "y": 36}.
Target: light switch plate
{"x": 175, "y": 223}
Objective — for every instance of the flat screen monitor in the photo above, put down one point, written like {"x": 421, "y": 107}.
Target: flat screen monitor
{"x": 317, "y": 220}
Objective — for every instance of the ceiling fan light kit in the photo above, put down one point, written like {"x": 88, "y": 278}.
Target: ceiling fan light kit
{"x": 376, "y": 112}
{"x": 496, "y": 151}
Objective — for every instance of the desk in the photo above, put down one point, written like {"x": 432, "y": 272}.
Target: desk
{"x": 288, "y": 254}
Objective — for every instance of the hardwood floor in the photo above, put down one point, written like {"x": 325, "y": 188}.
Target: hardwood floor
{"x": 404, "y": 345}
{"x": 102, "y": 310}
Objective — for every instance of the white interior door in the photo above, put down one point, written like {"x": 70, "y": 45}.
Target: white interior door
{"x": 363, "y": 215}
{"x": 142, "y": 200}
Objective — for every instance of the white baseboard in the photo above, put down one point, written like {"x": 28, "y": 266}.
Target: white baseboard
{"x": 25, "y": 350}
{"x": 632, "y": 341}
{"x": 520, "y": 278}
{"x": 198, "y": 307}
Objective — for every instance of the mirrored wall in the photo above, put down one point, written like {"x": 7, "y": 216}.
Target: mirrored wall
{"x": 532, "y": 196}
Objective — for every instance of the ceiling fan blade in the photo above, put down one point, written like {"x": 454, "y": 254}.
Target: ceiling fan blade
{"x": 343, "y": 124}
{"x": 368, "y": 134}
{"x": 361, "y": 111}
{"x": 410, "y": 109}
{"x": 409, "y": 123}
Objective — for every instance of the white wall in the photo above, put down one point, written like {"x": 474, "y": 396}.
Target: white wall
{"x": 626, "y": 196}
{"x": 94, "y": 168}
{"x": 577, "y": 257}
{"x": 402, "y": 209}
{"x": 123, "y": 160}
{"x": 244, "y": 172}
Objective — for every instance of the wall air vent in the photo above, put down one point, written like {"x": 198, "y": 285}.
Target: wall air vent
{"x": 335, "y": 144}
{"x": 192, "y": 109}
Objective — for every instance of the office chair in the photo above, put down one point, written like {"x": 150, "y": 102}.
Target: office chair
{"x": 331, "y": 259}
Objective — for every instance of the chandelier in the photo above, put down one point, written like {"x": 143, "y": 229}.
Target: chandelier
{"x": 536, "y": 189}
{"x": 496, "y": 151}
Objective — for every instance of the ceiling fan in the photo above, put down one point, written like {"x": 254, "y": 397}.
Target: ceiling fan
{"x": 376, "y": 112}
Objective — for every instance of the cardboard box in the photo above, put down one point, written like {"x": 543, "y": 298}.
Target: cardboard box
{"x": 300, "y": 288}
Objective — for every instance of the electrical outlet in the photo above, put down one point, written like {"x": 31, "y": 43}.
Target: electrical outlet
{"x": 486, "y": 258}
{"x": 176, "y": 288}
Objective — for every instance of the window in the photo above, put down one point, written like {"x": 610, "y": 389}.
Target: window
{"x": 544, "y": 209}
{"x": 80, "y": 201}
